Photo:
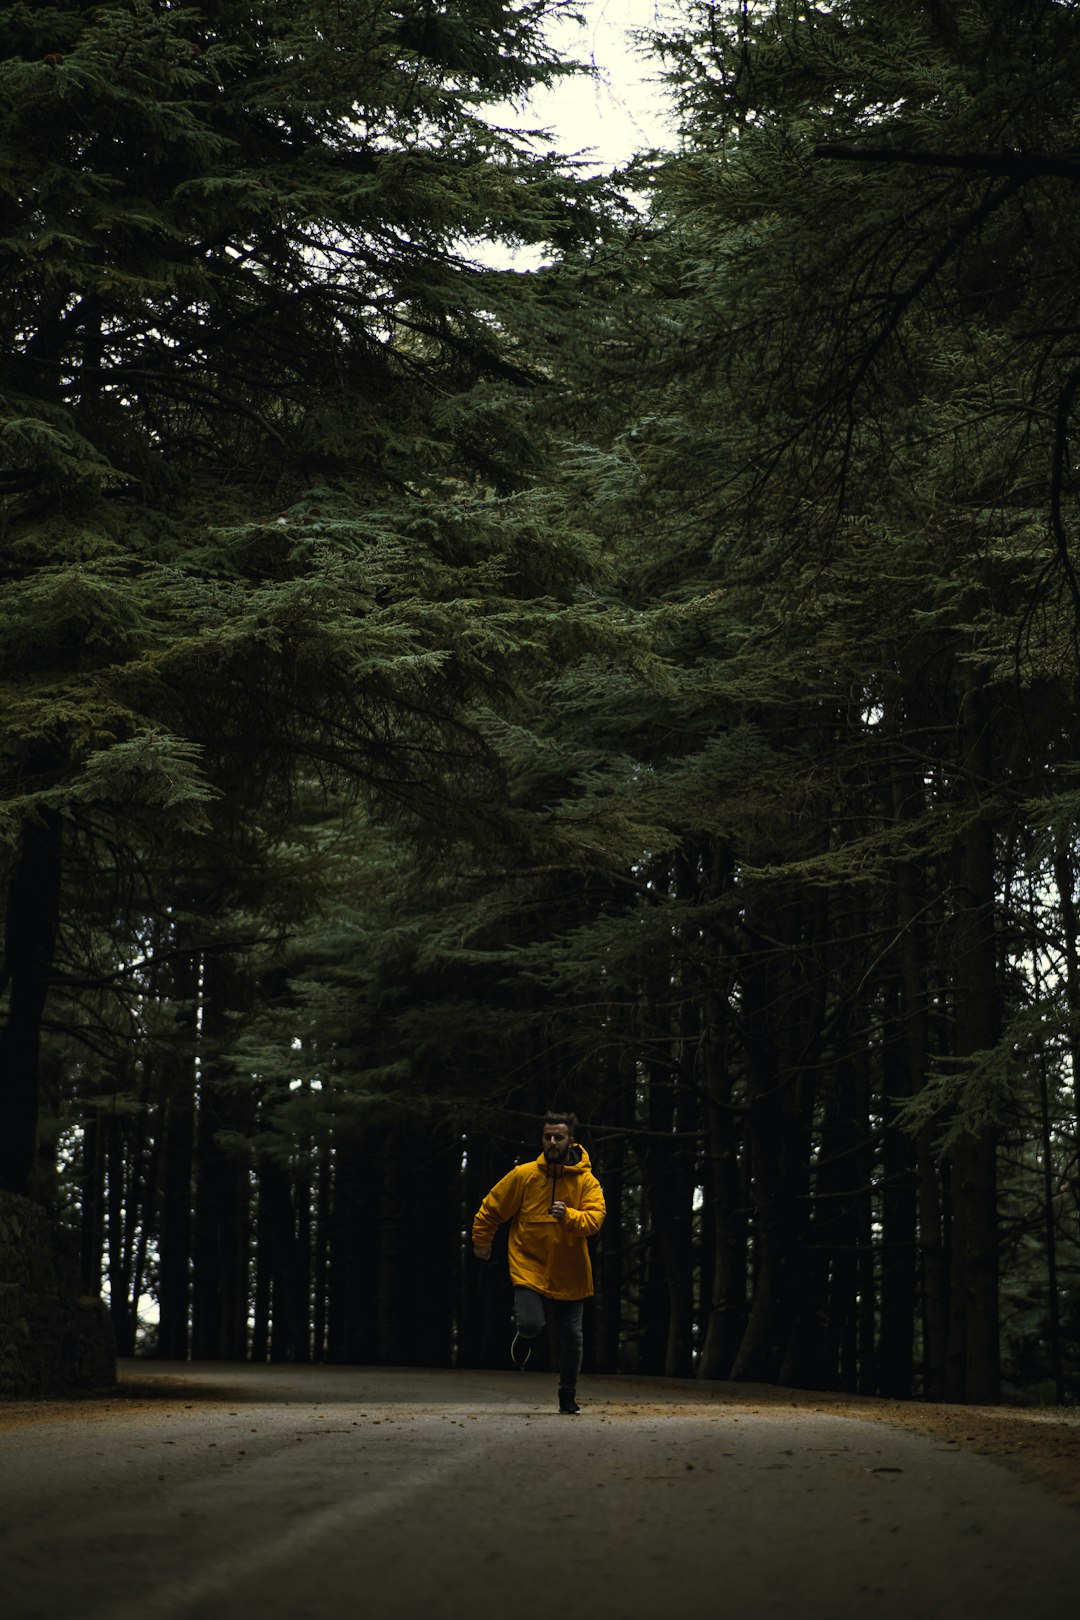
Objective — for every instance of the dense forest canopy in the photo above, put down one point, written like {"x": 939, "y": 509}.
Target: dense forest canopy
{"x": 645, "y": 684}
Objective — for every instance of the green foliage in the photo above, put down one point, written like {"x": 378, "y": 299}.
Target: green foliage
{"x": 267, "y": 431}
{"x": 255, "y": 398}
{"x": 650, "y": 681}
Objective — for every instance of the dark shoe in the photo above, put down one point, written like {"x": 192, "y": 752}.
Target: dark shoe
{"x": 520, "y": 1351}
{"x": 567, "y": 1401}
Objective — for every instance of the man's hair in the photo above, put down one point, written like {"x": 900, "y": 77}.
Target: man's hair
{"x": 559, "y": 1116}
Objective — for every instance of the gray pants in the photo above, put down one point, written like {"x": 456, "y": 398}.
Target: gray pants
{"x": 532, "y": 1312}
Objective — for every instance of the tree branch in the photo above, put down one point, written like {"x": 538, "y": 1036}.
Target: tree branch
{"x": 1058, "y": 479}
{"x": 1018, "y": 165}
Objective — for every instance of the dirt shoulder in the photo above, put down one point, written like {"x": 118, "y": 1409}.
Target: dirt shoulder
{"x": 1040, "y": 1445}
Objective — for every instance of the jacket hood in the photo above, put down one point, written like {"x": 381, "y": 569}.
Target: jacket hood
{"x": 577, "y": 1159}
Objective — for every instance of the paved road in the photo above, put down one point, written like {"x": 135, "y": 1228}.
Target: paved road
{"x": 309, "y": 1493}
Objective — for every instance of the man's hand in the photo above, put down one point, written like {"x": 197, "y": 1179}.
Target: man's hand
{"x": 558, "y": 1209}
{"x": 482, "y": 1251}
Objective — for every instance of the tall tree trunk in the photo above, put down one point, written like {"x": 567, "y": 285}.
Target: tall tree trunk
{"x": 353, "y": 1257}
{"x": 1065, "y": 880}
{"x": 147, "y": 1205}
{"x": 776, "y": 1222}
{"x": 299, "y": 1279}
{"x": 118, "y": 1170}
{"x": 863, "y": 1218}
{"x": 222, "y": 1193}
{"x": 276, "y": 1247}
{"x": 484, "y": 1298}
{"x": 904, "y": 1072}
{"x": 725, "y": 1209}
{"x": 830, "y": 1291}
{"x": 972, "y": 1368}
{"x": 177, "y": 1082}
{"x": 265, "y": 1249}
{"x": 724, "y": 1283}
{"x": 418, "y": 1247}
{"x": 777, "y": 1014}
{"x": 1057, "y": 1366}
{"x": 899, "y": 1206}
{"x": 320, "y": 1281}
{"x": 667, "y": 1171}
{"x": 934, "y": 1256}
{"x": 783, "y": 1007}
{"x": 91, "y": 1201}
{"x": 32, "y": 920}
{"x": 618, "y": 1112}
{"x": 132, "y": 1193}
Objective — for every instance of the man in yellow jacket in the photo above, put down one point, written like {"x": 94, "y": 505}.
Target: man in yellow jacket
{"x": 554, "y": 1204}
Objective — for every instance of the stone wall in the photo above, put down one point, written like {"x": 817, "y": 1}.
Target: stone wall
{"x": 53, "y": 1338}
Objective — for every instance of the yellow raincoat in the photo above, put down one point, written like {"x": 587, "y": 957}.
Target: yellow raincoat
{"x": 549, "y": 1256}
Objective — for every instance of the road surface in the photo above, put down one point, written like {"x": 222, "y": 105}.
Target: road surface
{"x": 304, "y": 1493}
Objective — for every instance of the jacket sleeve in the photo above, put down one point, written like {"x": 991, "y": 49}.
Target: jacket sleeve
{"x": 588, "y": 1217}
{"x": 501, "y": 1204}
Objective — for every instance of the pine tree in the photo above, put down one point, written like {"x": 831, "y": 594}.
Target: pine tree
{"x": 818, "y": 384}
{"x": 257, "y": 399}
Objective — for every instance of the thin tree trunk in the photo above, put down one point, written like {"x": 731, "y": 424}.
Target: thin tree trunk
{"x": 147, "y": 1222}
{"x": 905, "y": 1050}
{"x": 830, "y": 1356}
{"x": 351, "y": 1266}
{"x": 484, "y": 1299}
{"x": 119, "y": 1281}
{"x": 610, "y": 1270}
{"x": 177, "y": 1081}
{"x": 725, "y": 1212}
{"x": 299, "y": 1279}
{"x": 863, "y": 1216}
{"x": 972, "y": 1366}
{"x": 725, "y": 1209}
{"x": 1065, "y": 879}
{"x": 779, "y": 1040}
{"x": 667, "y": 1170}
{"x": 262, "y": 1292}
{"x": 222, "y": 1194}
{"x": 321, "y": 1256}
{"x": 276, "y": 1236}
{"x": 91, "y": 1202}
{"x": 1057, "y": 1367}
{"x": 934, "y": 1255}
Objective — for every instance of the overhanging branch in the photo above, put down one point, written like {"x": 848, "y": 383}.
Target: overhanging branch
{"x": 1018, "y": 165}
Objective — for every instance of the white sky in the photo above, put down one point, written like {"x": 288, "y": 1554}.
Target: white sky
{"x": 618, "y": 112}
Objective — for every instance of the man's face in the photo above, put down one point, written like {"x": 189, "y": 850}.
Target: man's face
{"x": 556, "y": 1141}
